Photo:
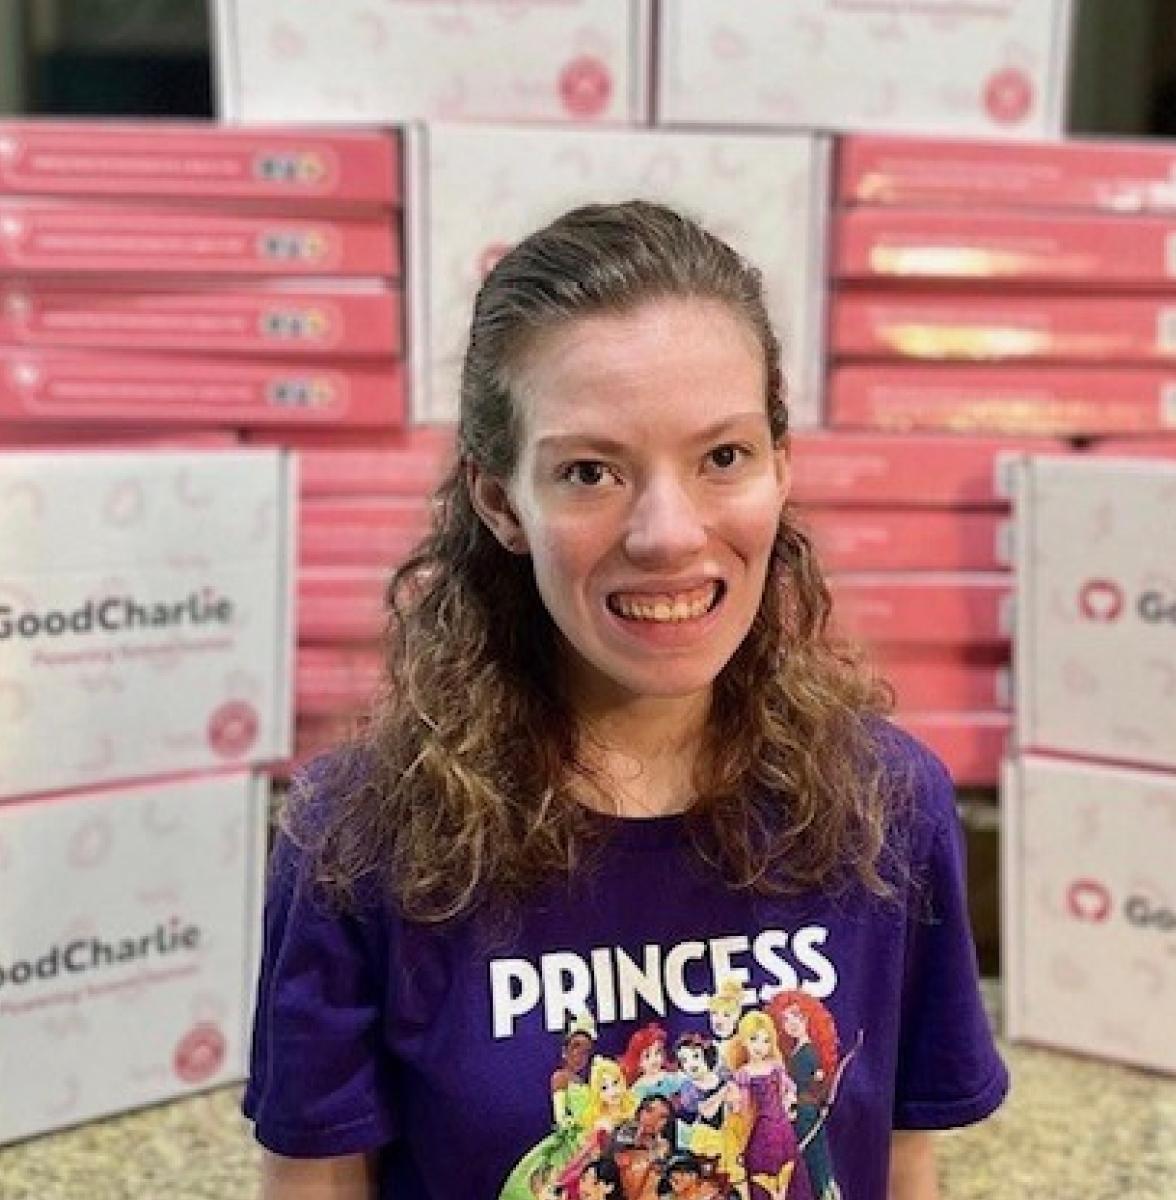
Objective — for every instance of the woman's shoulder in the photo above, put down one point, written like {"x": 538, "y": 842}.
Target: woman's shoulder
{"x": 914, "y": 779}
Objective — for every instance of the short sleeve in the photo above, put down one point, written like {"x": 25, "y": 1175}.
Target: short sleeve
{"x": 318, "y": 1083}
{"x": 949, "y": 1072}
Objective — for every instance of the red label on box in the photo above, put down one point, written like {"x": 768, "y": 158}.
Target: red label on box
{"x": 339, "y": 604}
{"x": 74, "y": 388}
{"x": 65, "y": 236}
{"x": 936, "y": 244}
{"x": 192, "y": 161}
{"x": 370, "y": 532}
{"x": 1050, "y": 401}
{"x": 245, "y": 321}
{"x": 1117, "y": 175}
{"x": 925, "y": 609}
{"x": 866, "y": 539}
{"x": 943, "y": 326}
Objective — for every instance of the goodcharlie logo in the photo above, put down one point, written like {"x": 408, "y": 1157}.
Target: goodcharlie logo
{"x": 1091, "y": 901}
{"x": 1103, "y": 600}
{"x": 117, "y": 614}
{"x": 80, "y": 955}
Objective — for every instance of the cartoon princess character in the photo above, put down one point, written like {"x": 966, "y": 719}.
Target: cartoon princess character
{"x": 569, "y": 1080}
{"x": 609, "y": 1099}
{"x": 771, "y": 1157}
{"x": 644, "y": 1064}
{"x": 704, "y": 1101}
{"x": 808, "y": 1039}
{"x": 642, "y": 1145}
{"x": 724, "y": 1008}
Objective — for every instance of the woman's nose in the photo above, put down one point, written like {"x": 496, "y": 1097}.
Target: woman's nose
{"x": 664, "y": 523}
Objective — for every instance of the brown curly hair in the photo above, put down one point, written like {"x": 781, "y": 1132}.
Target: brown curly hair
{"x": 460, "y": 786}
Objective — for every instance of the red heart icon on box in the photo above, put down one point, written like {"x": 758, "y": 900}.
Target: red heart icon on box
{"x": 1101, "y": 600}
{"x": 1088, "y": 900}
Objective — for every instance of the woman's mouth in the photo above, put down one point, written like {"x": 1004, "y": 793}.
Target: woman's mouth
{"x": 667, "y": 607}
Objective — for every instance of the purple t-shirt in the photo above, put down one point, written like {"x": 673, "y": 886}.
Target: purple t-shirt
{"x": 443, "y": 1047}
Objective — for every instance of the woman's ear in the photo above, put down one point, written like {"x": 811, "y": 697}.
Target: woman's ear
{"x": 492, "y": 503}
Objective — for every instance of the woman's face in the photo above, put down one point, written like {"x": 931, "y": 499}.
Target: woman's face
{"x": 612, "y": 1088}
{"x": 693, "y": 1061}
{"x": 647, "y": 493}
{"x": 723, "y": 1022}
{"x": 578, "y": 1052}
{"x": 794, "y": 1023}
{"x": 652, "y": 1059}
{"x": 759, "y": 1044}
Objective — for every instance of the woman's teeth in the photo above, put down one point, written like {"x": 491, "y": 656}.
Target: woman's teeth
{"x": 665, "y": 608}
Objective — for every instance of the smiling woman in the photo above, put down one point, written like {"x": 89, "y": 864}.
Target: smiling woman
{"x": 621, "y": 779}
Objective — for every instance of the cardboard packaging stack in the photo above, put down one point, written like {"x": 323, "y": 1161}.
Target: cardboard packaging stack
{"x": 364, "y": 506}
{"x": 1016, "y": 289}
{"x": 1089, "y": 802}
{"x": 915, "y": 533}
{"x": 581, "y": 61}
{"x": 179, "y": 277}
{"x": 901, "y": 66}
{"x": 145, "y": 680}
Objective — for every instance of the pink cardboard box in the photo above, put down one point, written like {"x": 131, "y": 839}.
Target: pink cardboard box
{"x": 1096, "y": 608}
{"x": 132, "y": 929}
{"x": 74, "y": 387}
{"x": 406, "y": 462}
{"x": 1117, "y": 175}
{"x": 895, "y": 65}
{"x": 341, "y": 604}
{"x": 1049, "y": 401}
{"x": 69, "y": 439}
{"x": 77, "y": 236}
{"x": 352, "y": 61}
{"x": 360, "y": 531}
{"x": 1087, "y": 910}
{"x": 875, "y": 539}
{"x": 190, "y": 162}
{"x": 971, "y": 745}
{"x": 941, "y": 244}
{"x": 946, "y": 679}
{"x": 958, "y": 326}
{"x": 924, "y": 608}
{"x": 925, "y": 469}
{"x": 291, "y": 321}
{"x": 330, "y": 680}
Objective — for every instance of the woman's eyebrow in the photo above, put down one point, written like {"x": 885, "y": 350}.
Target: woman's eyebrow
{"x": 603, "y": 444}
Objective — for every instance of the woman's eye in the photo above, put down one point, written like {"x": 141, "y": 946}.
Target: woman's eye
{"x": 725, "y": 457}
{"x": 586, "y": 473}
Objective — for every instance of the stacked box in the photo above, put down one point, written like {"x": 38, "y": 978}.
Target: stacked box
{"x": 184, "y": 276}
{"x": 1090, "y": 799}
{"x": 364, "y": 507}
{"x": 132, "y": 920}
{"x": 145, "y": 678}
{"x": 915, "y": 531}
{"x": 578, "y": 61}
{"x": 902, "y": 65}
{"x": 476, "y": 192}
{"x": 983, "y": 287}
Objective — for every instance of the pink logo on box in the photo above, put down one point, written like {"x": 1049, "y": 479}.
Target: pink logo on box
{"x": 585, "y": 86}
{"x": 1008, "y": 96}
{"x": 233, "y": 728}
{"x": 200, "y": 1053}
{"x": 1088, "y": 900}
{"x": 1100, "y": 600}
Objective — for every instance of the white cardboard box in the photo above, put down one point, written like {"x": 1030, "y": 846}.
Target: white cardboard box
{"x": 1095, "y": 647}
{"x": 915, "y": 66}
{"x": 129, "y": 938}
{"x": 145, "y": 614}
{"x": 1089, "y": 910}
{"x": 401, "y": 60}
{"x": 477, "y": 192}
